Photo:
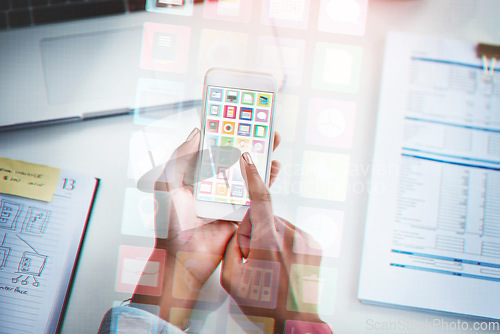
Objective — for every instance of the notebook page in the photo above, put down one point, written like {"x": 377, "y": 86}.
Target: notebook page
{"x": 38, "y": 246}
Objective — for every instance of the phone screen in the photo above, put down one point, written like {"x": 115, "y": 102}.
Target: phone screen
{"x": 237, "y": 121}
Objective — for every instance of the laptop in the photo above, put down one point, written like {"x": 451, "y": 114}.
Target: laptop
{"x": 66, "y": 60}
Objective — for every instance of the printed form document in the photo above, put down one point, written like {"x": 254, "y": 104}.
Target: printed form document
{"x": 39, "y": 244}
{"x": 432, "y": 238}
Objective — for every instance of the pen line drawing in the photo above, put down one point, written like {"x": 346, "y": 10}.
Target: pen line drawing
{"x": 31, "y": 265}
{"x": 36, "y": 221}
{"x": 9, "y": 214}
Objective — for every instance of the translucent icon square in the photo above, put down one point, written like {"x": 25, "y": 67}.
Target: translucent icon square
{"x": 196, "y": 320}
{"x": 141, "y": 269}
{"x": 343, "y": 16}
{"x": 215, "y": 94}
{"x": 331, "y": 123}
{"x": 139, "y": 214}
{"x": 219, "y": 48}
{"x": 324, "y": 228}
{"x": 246, "y": 113}
{"x": 215, "y": 110}
{"x": 212, "y": 125}
{"x": 248, "y": 98}
{"x": 257, "y": 284}
{"x": 165, "y": 47}
{"x": 228, "y": 10}
{"x": 186, "y": 284}
{"x": 161, "y": 6}
{"x": 232, "y": 96}
{"x": 228, "y": 128}
{"x": 282, "y": 54}
{"x": 337, "y": 67}
{"x": 303, "y": 327}
{"x": 230, "y": 111}
{"x": 241, "y": 324}
{"x": 260, "y": 131}
{"x": 286, "y": 13}
{"x": 135, "y": 315}
{"x": 223, "y": 173}
{"x": 325, "y": 175}
{"x": 244, "y": 129}
{"x": 312, "y": 289}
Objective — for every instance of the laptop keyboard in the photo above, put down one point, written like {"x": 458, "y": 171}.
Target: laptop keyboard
{"x": 24, "y": 13}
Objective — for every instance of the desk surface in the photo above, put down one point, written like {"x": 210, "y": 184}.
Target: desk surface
{"x": 113, "y": 148}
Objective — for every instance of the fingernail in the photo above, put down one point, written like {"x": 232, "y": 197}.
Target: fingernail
{"x": 192, "y": 134}
{"x": 247, "y": 158}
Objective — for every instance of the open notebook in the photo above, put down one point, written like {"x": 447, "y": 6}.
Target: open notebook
{"x": 39, "y": 244}
{"x": 432, "y": 237}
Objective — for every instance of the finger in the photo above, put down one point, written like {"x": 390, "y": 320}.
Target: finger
{"x": 182, "y": 160}
{"x": 277, "y": 140}
{"x": 232, "y": 262}
{"x": 275, "y": 170}
{"x": 244, "y": 235}
{"x": 261, "y": 212}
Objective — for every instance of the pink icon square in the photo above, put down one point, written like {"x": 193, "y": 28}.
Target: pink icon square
{"x": 141, "y": 269}
{"x": 258, "y": 146}
{"x": 303, "y": 327}
{"x": 165, "y": 47}
{"x": 205, "y": 187}
{"x": 230, "y": 111}
{"x": 237, "y": 10}
{"x": 331, "y": 123}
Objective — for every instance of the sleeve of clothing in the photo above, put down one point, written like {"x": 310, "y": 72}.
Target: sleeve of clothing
{"x": 128, "y": 319}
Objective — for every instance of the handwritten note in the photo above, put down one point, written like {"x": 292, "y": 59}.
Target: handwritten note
{"x": 28, "y": 180}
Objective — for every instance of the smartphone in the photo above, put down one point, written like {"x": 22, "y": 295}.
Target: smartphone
{"x": 237, "y": 117}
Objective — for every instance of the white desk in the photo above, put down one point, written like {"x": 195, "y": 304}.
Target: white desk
{"x": 101, "y": 148}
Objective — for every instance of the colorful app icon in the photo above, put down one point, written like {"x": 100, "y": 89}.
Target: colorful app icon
{"x": 230, "y": 111}
{"x": 264, "y": 100}
{"x": 261, "y": 115}
{"x": 228, "y": 128}
{"x": 141, "y": 269}
{"x": 232, "y": 96}
{"x": 214, "y": 110}
{"x": 205, "y": 187}
{"x": 237, "y": 190}
{"x": 212, "y": 141}
{"x": 248, "y": 98}
{"x": 221, "y": 189}
{"x": 243, "y": 144}
{"x": 309, "y": 286}
{"x": 246, "y": 113}
{"x": 337, "y": 67}
{"x": 215, "y": 94}
{"x": 260, "y": 131}
{"x": 212, "y": 125}
{"x": 258, "y": 146}
{"x": 227, "y": 141}
{"x": 244, "y": 129}
{"x": 223, "y": 173}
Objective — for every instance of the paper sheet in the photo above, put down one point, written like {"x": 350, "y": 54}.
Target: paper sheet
{"x": 437, "y": 220}
{"x": 39, "y": 242}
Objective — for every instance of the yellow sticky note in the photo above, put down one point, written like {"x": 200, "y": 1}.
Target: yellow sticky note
{"x": 28, "y": 180}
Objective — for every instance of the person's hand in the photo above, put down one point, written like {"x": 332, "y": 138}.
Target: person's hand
{"x": 194, "y": 246}
{"x": 257, "y": 264}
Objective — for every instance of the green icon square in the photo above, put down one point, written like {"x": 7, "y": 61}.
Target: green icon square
{"x": 337, "y": 67}
{"x": 248, "y": 98}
